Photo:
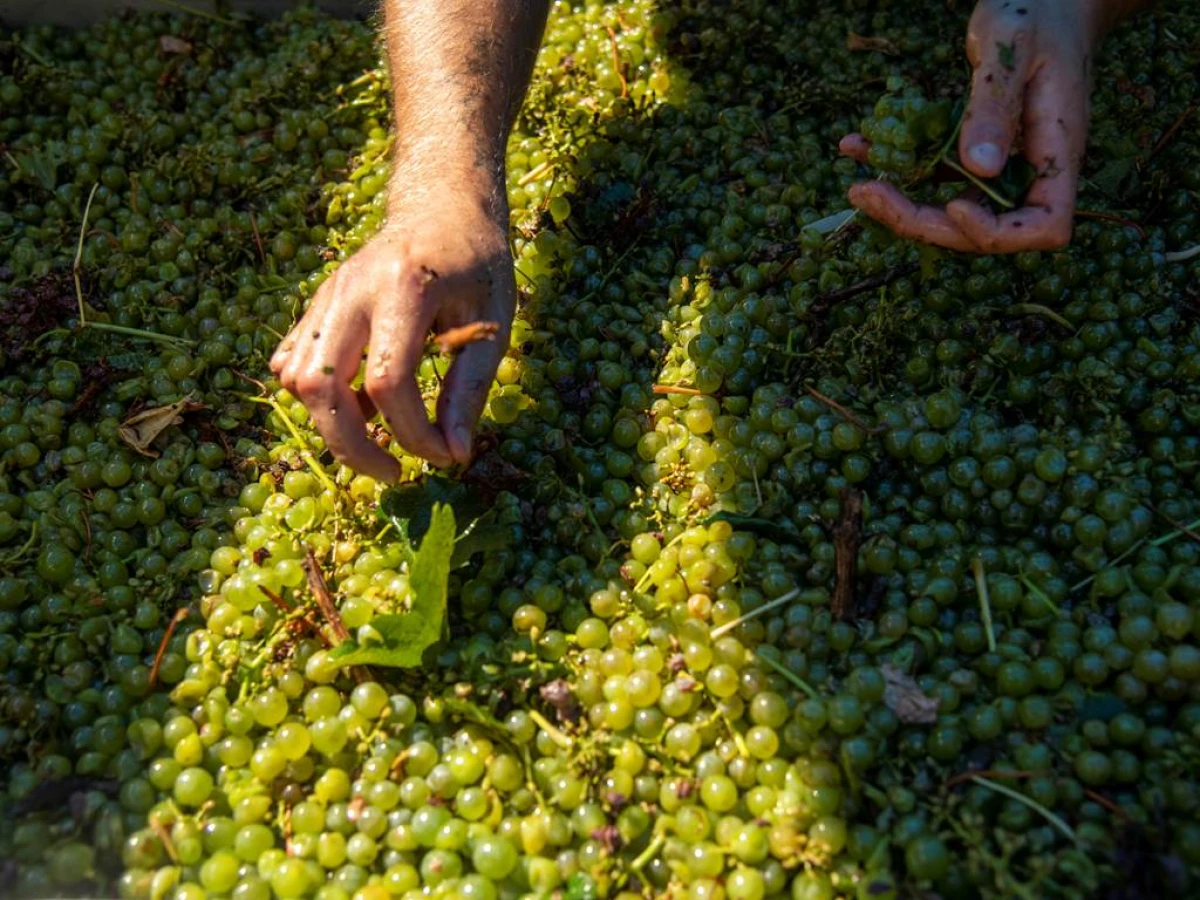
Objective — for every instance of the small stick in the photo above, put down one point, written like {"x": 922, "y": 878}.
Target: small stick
{"x": 617, "y": 67}
{"x": 985, "y": 605}
{"x": 320, "y": 592}
{"x": 1106, "y": 803}
{"x": 1111, "y": 217}
{"x": 557, "y": 736}
{"x": 676, "y": 389}
{"x": 846, "y": 414}
{"x": 1037, "y": 309}
{"x": 454, "y": 339}
{"x": 847, "y": 535}
{"x": 160, "y": 831}
{"x": 262, "y": 254}
{"x": 534, "y": 174}
{"x": 1178, "y": 526}
{"x": 180, "y": 615}
{"x": 825, "y": 301}
{"x": 789, "y": 675}
{"x": 1050, "y": 817}
{"x": 1170, "y": 132}
{"x": 79, "y": 253}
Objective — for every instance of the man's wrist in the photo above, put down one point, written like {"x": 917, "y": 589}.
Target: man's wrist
{"x": 451, "y": 179}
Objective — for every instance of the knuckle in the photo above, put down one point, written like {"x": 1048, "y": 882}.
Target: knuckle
{"x": 309, "y": 385}
{"x": 381, "y": 385}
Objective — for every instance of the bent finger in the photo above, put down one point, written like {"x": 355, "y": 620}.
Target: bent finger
{"x": 337, "y": 415}
{"x": 390, "y": 381}
{"x": 1000, "y": 48}
{"x": 855, "y": 146}
{"x": 887, "y": 205}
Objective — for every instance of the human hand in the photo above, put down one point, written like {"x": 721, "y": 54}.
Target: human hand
{"x": 1031, "y": 61}
{"x": 441, "y": 267}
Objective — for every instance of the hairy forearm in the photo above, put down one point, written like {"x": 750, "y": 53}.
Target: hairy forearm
{"x": 459, "y": 71}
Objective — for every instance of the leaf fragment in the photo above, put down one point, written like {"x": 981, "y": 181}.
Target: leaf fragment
{"x": 140, "y": 431}
{"x": 169, "y": 45}
{"x": 905, "y": 698}
{"x": 858, "y": 42}
{"x": 406, "y": 636}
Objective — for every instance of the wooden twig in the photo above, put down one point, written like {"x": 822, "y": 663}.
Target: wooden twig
{"x": 454, "y": 339}
{"x": 1171, "y": 131}
{"x": 846, "y": 414}
{"x": 676, "y": 389}
{"x": 1111, "y": 217}
{"x": 1178, "y": 526}
{"x": 180, "y": 615}
{"x": 617, "y": 67}
{"x": 262, "y": 254}
{"x": 847, "y": 535}
{"x": 826, "y": 301}
{"x": 320, "y": 592}
{"x": 1106, "y": 803}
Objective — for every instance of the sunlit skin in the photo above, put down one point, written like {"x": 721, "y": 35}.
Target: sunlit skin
{"x": 460, "y": 69}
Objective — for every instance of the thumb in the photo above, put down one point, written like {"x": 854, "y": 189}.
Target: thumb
{"x": 1000, "y": 48}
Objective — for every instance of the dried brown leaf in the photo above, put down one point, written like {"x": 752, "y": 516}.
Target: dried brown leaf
{"x": 142, "y": 430}
{"x": 173, "y": 46}
{"x": 905, "y": 698}
{"x": 860, "y": 42}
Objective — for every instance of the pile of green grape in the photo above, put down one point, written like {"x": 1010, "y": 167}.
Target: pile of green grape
{"x": 807, "y": 563}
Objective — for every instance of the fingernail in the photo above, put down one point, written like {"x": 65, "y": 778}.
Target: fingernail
{"x": 987, "y": 156}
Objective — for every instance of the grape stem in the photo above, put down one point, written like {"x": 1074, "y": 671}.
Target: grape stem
{"x": 978, "y": 182}
{"x": 755, "y": 613}
{"x": 76, "y": 267}
{"x": 1013, "y": 774}
{"x": 846, "y": 414}
{"x": 262, "y": 254}
{"x": 180, "y": 615}
{"x": 985, "y": 605}
{"x": 554, "y": 733}
{"x": 1157, "y": 542}
{"x": 789, "y": 675}
{"x": 1037, "y": 309}
{"x": 306, "y": 453}
{"x": 643, "y": 858}
{"x": 1050, "y": 817}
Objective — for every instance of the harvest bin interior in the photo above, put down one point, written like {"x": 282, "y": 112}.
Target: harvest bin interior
{"x": 83, "y": 12}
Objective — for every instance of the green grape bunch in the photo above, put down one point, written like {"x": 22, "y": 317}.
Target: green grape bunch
{"x": 905, "y": 127}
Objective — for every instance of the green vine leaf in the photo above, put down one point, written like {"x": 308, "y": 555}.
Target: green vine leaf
{"x": 409, "y": 506}
{"x": 406, "y": 636}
